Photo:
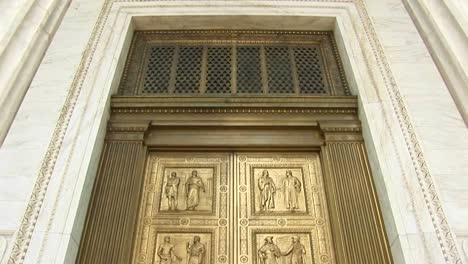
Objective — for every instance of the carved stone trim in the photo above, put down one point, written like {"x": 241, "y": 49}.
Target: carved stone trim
{"x": 439, "y": 220}
{"x": 28, "y": 222}
{"x": 253, "y": 101}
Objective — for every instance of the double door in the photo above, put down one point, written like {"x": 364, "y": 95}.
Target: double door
{"x": 225, "y": 207}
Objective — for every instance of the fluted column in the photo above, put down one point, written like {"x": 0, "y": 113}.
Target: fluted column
{"x": 113, "y": 211}
{"x": 357, "y": 222}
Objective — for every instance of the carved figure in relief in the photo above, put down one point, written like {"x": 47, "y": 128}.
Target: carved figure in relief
{"x": 166, "y": 253}
{"x": 193, "y": 186}
{"x": 196, "y": 251}
{"x": 269, "y": 252}
{"x": 172, "y": 191}
{"x": 292, "y": 186}
{"x": 295, "y": 252}
{"x": 267, "y": 188}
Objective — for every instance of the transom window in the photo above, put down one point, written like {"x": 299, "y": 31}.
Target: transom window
{"x": 243, "y": 63}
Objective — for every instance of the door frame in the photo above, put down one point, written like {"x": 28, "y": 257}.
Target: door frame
{"x": 327, "y": 125}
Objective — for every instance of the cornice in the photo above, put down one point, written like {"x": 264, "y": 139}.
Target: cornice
{"x": 156, "y": 104}
{"x": 257, "y": 105}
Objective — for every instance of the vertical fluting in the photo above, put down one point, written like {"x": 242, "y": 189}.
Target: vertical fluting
{"x": 356, "y": 207}
{"x": 112, "y": 213}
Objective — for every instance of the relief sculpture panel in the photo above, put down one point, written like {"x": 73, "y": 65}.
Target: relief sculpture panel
{"x": 282, "y": 210}
{"x": 259, "y": 208}
{"x": 287, "y": 248}
{"x": 278, "y": 190}
{"x": 187, "y": 189}
{"x": 191, "y": 248}
{"x": 184, "y": 215}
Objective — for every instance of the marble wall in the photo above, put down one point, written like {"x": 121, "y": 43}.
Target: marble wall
{"x": 445, "y": 31}
{"x": 416, "y": 138}
{"x": 27, "y": 28}
{"x": 5, "y": 240}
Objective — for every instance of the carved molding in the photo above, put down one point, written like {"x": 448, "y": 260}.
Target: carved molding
{"x": 129, "y": 127}
{"x": 128, "y": 131}
{"x": 128, "y": 104}
{"x": 222, "y": 110}
{"x": 439, "y": 220}
{"x": 341, "y": 131}
{"x": 340, "y": 126}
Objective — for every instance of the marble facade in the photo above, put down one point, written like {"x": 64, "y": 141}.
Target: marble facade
{"x": 416, "y": 137}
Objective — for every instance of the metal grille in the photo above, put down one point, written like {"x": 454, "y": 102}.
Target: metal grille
{"x": 223, "y": 63}
{"x": 188, "y": 71}
{"x": 279, "y": 70}
{"x": 158, "y": 70}
{"x": 249, "y": 76}
{"x": 192, "y": 76}
{"x": 309, "y": 71}
{"x": 219, "y": 70}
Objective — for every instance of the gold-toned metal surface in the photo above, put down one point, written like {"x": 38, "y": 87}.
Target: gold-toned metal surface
{"x": 233, "y": 161}
{"x": 233, "y": 208}
{"x": 240, "y": 217}
{"x": 357, "y": 223}
{"x": 113, "y": 209}
{"x": 281, "y": 209}
{"x": 186, "y": 197}
{"x": 233, "y": 62}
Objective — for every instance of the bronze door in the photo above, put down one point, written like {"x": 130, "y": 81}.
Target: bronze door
{"x": 219, "y": 89}
{"x": 261, "y": 208}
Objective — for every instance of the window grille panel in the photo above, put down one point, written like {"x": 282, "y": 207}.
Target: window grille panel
{"x": 224, "y": 63}
{"x": 249, "y": 76}
{"x": 309, "y": 71}
{"x": 279, "y": 70}
{"x": 158, "y": 70}
{"x": 219, "y": 70}
{"x": 188, "y": 72}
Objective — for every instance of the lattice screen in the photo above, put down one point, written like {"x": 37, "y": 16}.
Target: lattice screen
{"x": 275, "y": 64}
{"x": 249, "y": 73}
{"x": 201, "y": 69}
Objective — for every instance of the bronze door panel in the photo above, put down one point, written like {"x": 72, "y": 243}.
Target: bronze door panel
{"x": 184, "y": 215}
{"x": 233, "y": 208}
{"x": 282, "y": 212}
